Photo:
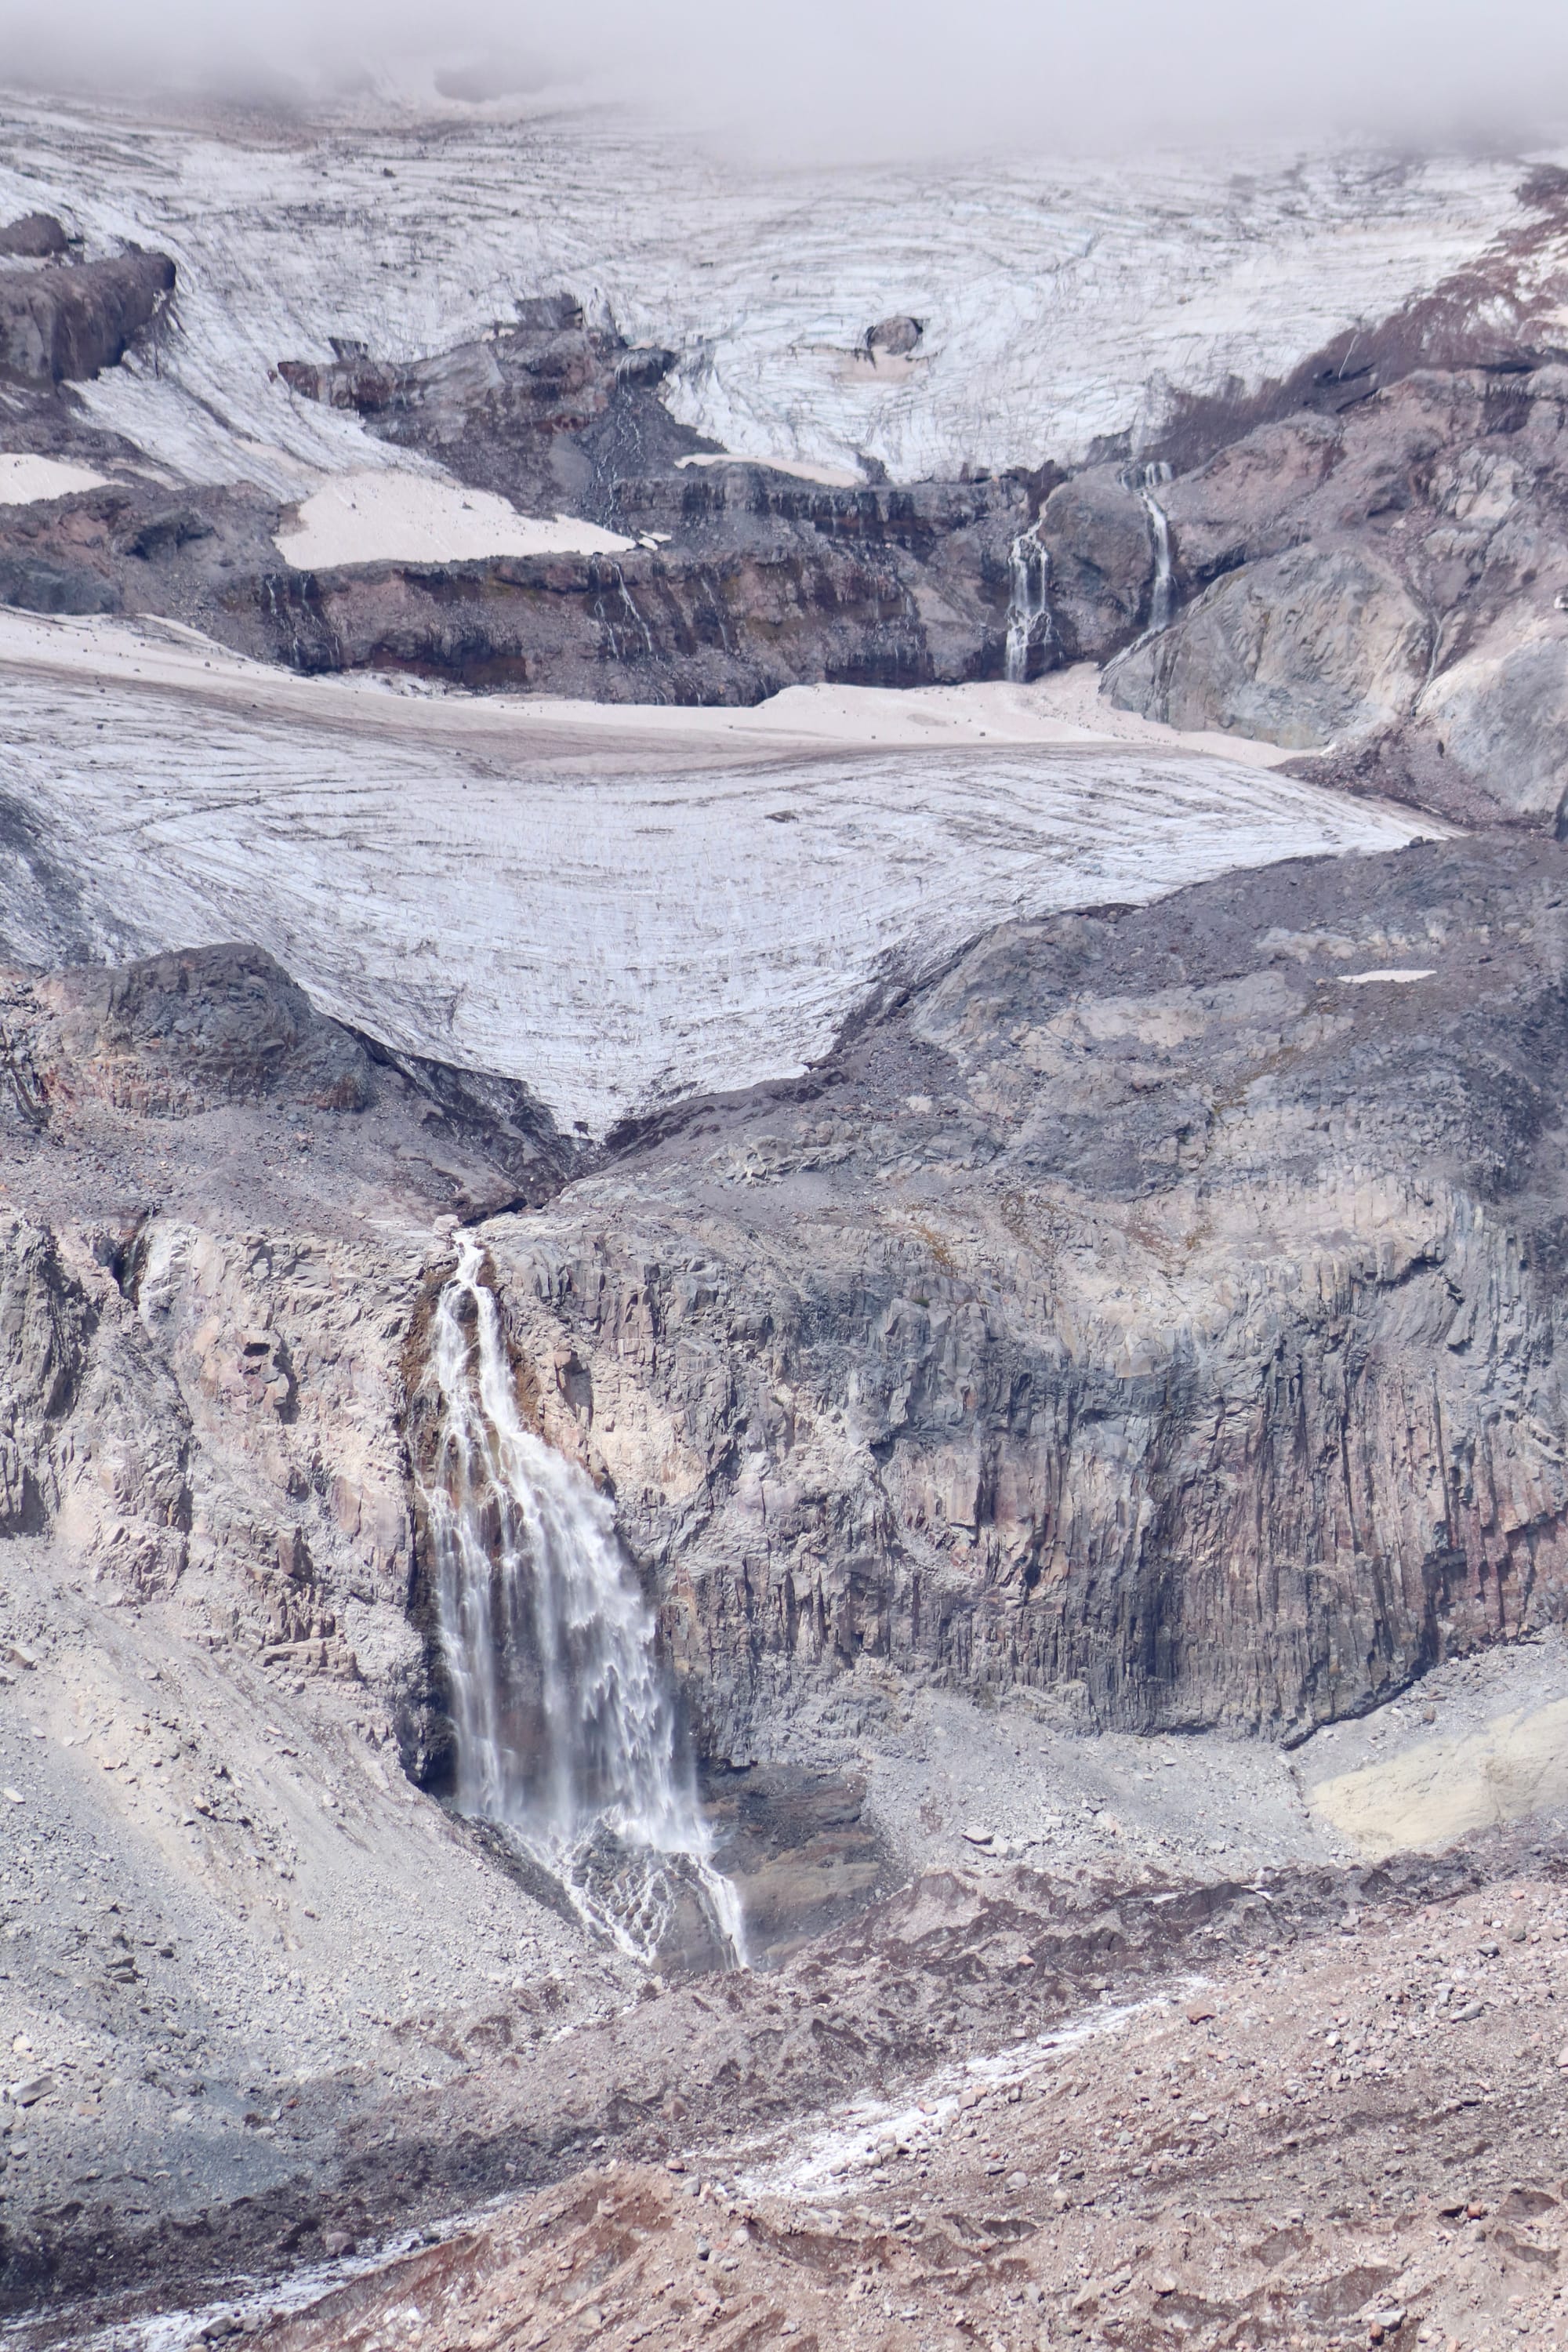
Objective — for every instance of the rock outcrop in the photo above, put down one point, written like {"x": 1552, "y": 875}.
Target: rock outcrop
{"x": 184, "y": 1032}
{"x": 60, "y": 325}
{"x": 1301, "y": 649}
{"x": 36, "y": 236}
{"x": 1158, "y": 1311}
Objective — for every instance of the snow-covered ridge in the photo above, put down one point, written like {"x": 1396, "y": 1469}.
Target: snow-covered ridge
{"x": 1060, "y": 303}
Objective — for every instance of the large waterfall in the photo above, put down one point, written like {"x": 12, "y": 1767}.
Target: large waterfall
{"x": 564, "y": 1729}
{"x": 1028, "y": 603}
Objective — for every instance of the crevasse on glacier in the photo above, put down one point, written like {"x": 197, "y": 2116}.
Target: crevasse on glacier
{"x": 564, "y": 1729}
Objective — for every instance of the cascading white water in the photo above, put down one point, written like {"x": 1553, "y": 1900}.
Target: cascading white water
{"x": 565, "y": 1730}
{"x": 1028, "y": 602}
{"x": 1145, "y": 480}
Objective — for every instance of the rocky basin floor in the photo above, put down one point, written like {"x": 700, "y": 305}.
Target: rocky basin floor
{"x": 1320, "y": 2108}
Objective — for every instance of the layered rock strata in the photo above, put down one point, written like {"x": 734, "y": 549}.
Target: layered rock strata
{"x": 1160, "y": 1310}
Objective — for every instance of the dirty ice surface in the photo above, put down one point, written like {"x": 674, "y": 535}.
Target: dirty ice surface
{"x": 616, "y": 918}
{"x": 1060, "y": 300}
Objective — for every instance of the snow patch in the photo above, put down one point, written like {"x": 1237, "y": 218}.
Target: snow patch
{"x": 1360, "y": 979}
{"x": 390, "y": 515}
{"x": 23, "y": 481}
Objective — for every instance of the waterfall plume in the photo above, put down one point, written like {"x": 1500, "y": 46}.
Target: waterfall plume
{"x": 1028, "y": 603}
{"x": 563, "y": 1725}
{"x": 1145, "y": 480}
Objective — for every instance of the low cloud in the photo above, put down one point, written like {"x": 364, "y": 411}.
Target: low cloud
{"x": 853, "y": 79}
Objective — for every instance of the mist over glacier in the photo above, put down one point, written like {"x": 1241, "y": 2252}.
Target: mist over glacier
{"x": 850, "y": 80}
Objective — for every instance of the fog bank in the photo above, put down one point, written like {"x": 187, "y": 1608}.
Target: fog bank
{"x": 852, "y": 80}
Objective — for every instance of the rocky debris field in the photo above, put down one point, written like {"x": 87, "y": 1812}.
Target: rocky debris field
{"x": 1321, "y": 2110}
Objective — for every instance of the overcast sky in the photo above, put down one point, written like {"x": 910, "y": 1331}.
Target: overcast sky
{"x": 884, "y": 78}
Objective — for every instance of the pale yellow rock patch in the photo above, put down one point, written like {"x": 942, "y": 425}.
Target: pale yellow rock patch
{"x": 1437, "y": 1791}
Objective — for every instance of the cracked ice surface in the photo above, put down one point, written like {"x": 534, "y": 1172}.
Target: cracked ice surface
{"x": 614, "y": 919}
{"x": 1060, "y": 302}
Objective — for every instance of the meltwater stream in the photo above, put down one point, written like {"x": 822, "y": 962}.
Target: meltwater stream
{"x": 565, "y": 1733}
{"x": 1028, "y": 603}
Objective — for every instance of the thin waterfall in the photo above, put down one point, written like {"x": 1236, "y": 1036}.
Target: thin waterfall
{"x": 1028, "y": 602}
{"x": 564, "y": 1727}
{"x": 1145, "y": 480}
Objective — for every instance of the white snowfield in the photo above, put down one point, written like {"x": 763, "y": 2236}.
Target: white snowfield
{"x": 376, "y": 518}
{"x": 24, "y": 481}
{"x": 615, "y": 918}
{"x": 1060, "y": 300}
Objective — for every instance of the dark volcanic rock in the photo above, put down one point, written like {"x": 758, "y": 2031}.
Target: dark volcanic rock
{"x": 645, "y": 626}
{"x": 34, "y": 586}
{"x": 896, "y": 337}
{"x": 180, "y": 1032}
{"x": 36, "y": 236}
{"x": 59, "y": 325}
{"x": 1095, "y": 530}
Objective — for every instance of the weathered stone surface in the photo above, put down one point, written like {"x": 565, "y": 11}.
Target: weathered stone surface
{"x": 1301, "y": 649}
{"x": 177, "y": 1033}
{"x": 1096, "y": 532}
{"x": 1500, "y": 717}
{"x": 36, "y": 236}
{"x": 60, "y": 325}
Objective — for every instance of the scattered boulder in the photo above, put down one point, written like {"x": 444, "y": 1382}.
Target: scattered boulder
{"x": 894, "y": 339}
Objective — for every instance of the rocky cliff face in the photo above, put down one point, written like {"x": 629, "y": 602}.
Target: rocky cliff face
{"x": 206, "y": 1292}
{"x": 739, "y": 581}
{"x": 60, "y": 323}
{"x": 1150, "y": 1325}
{"x": 1159, "y": 1311}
